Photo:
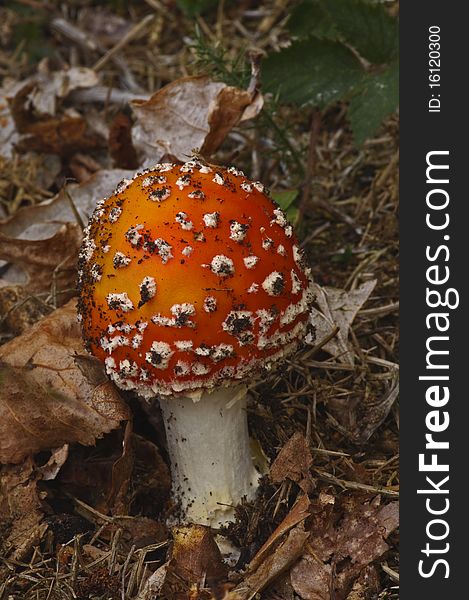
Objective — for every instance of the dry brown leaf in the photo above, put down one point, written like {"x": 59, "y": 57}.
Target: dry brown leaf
{"x": 45, "y": 261}
{"x": 195, "y": 555}
{"x": 311, "y": 578}
{"x": 118, "y": 499}
{"x": 56, "y": 461}
{"x": 62, "y": 135}
{"x": 367, "y": 586}
{"x": 83, "y": 166}
{"x": 29, "y": 113}
{"x": 154, "y": 584}
{"x": 338, "y": 308}
{"x": 196, "y": 564}
{"x": 18, "y": 309}
{"x": 46, "y": 86}
{"x": 279, "y": 552}
{"x": 141, "y": 531}
{"x": 276, "y": 563}
{"x": 120, "y": 143}
{"x": 298, "y": 513}
{"x": 361, "y": 417}
{"x": 45, "y": 399}
{"x": 281, "y": 589}
{"x": 230, "y": 106}
{"x": 123, "y": 473}
{"x": 191, "y": 113}
{"x": 20, "y": 512}
{"x": 294, "y": 462}
{"x": 344, "y": 539}
{"x": 43, "y": 220}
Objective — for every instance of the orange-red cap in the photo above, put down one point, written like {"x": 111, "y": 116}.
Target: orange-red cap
{"x": 190, "y": 277}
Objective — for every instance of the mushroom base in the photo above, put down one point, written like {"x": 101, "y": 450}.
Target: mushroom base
{"x": 209, "y": 448}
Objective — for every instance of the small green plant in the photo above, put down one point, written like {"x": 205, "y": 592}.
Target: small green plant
{"x": 215, "y": 60}
{"x": 341, "y": 50}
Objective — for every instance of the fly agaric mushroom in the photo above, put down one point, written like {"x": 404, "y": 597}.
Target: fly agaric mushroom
{"x": 191, "y": 284}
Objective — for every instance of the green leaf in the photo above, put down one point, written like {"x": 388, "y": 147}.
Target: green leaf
{"x": 367, "y": 27}
{"x": 285, "y": 200}
{"x": 314, "y": 72}
{"x": 380, "y": 98}
{"x": 310, "y": 19}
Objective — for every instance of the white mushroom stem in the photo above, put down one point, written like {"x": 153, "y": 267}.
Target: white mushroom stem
{"x": 209, "y": 448}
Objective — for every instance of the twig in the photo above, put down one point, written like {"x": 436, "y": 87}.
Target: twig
{"x": 85, "y": 41}
{"x": 74, "y": 34}
{"x": 338, "y": 214}
{"x": 380, "y": 311}
{"x": 354, "y": 485}
{"x": 100, "y": 94}
{"x": 322, "y": 342}
{"x": 394, "y": 575}
{"x": 124, "y": 569}
{"x": 75, "y": 212}
{"x": 158, "y": 7}
{"x": 139, "y": 27}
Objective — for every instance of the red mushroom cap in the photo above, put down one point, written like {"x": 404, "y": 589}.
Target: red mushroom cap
{"x": 190, "y": 277}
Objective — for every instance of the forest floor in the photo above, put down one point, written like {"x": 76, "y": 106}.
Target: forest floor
{"x": 87, "y": 520}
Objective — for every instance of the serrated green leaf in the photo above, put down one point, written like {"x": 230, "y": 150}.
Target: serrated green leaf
{"x": 314, "y": 72}
{"x": 380, "y": 98}
{"x": 367, "y": 27}
{"x": 310, "y": 19}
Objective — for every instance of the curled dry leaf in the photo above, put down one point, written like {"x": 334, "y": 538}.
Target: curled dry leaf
{"x": 188, "y": 114}
{"x": 29, "y": 113}
{"x": 45, "y": 400}
{"x": 345, "y": 537}
{"x": 338, "y": 308}
{"x": 294, "y": 462}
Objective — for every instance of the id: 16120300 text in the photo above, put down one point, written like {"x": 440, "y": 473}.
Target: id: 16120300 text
{"x": 434, "y": 66}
